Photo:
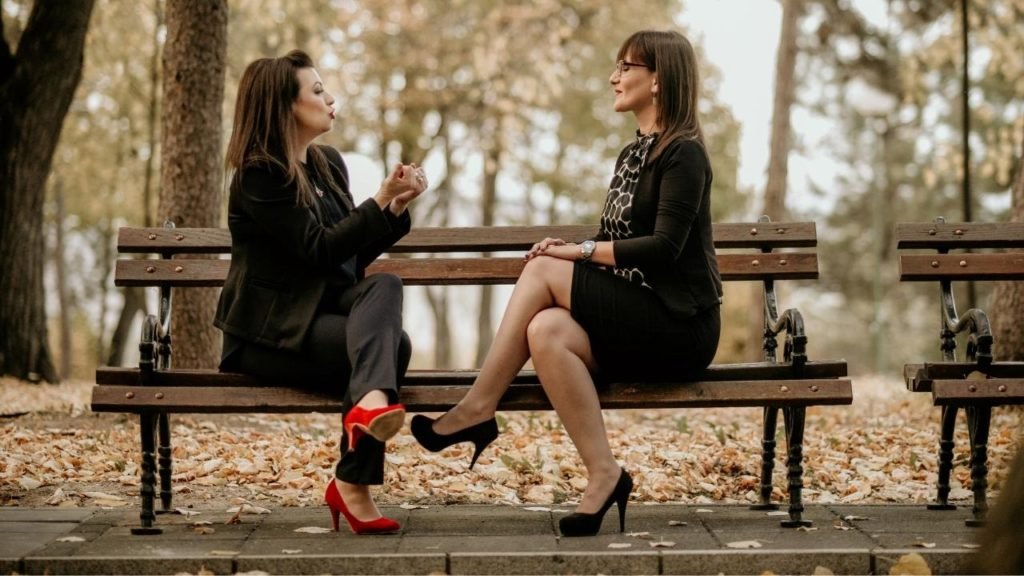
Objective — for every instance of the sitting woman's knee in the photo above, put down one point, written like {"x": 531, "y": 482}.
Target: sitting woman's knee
{"x": 546, "y": 330}
{"x": 389, "y": 283}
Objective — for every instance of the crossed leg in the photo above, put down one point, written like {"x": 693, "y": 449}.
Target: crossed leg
{"x": 537, "y": 324}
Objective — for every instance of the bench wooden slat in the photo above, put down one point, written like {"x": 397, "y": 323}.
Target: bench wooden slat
{"x": 971, "y": 235}
{"x": 449, "y": 271}
{"x": 714, "y": 373}
{"x": 930, "y": 267}
{"x": 230, "y": 399}
{"x": 470, "y": 238}
{"x": 919, "y": 377}
{"x": 993, "y": 392}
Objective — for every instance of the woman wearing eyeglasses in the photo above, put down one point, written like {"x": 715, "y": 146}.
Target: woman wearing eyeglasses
{"x": 297, "y": 307}
{"x": 640, "y": 301}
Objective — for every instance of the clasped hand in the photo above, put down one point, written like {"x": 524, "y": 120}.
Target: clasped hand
{"x": 554, "y": 247}
{"x": 403, "y": 185}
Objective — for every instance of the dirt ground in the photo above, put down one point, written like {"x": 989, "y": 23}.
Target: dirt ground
{"x": 55, "y": 452}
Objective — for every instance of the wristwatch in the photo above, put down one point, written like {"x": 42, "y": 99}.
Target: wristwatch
{"x": 587, "y": 250}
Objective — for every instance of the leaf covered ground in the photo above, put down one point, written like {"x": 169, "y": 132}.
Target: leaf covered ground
{"x": 54, "y": 451}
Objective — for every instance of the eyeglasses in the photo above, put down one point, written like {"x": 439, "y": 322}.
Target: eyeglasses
{"x": 622, "y": 66}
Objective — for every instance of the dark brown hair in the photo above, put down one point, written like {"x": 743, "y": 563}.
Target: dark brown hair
{"x": 265, "y": 127}
{"x": 670, "y": 56}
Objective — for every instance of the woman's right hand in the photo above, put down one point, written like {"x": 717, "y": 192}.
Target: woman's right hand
{"x": 541, "y": 246}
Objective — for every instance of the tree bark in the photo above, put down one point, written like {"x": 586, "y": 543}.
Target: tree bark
{"x": 485, "y": 321}
{"x": 190, "y": 173}
{"x": 37, "y": 85}
{"x": 60, "y": 267}
{"x": 774, "y": 205}
{"x": 1008, "y": 297}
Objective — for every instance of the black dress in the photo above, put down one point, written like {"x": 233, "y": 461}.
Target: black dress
{"x": 655, "y": 315}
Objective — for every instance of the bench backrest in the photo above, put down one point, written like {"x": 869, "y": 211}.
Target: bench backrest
{"x": 943, "y": 237}
{"x": 940, "y": 238}
{"x": 178, "y": 247}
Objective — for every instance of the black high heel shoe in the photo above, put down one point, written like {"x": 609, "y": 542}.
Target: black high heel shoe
{"x": 481, "y": 435}
{"x": 582, "y": 524}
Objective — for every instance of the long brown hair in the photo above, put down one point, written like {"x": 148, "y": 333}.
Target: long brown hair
{"x": 265, "y": 127}
{"x": 670, "y": 56}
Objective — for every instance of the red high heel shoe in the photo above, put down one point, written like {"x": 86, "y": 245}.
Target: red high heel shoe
{"x": 337, "y": 506}
{"x": 381, "y": 423}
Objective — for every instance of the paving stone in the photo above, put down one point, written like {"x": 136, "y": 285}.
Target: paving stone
{"x": 798, "y": 561}
{"x": 479, "y": 521}
{"x": 346, "y": 564}
{"x": 127, "y": 565}
{"x": 555, "y": 563}
{"x": 939, "y": 561}
{"x": 14, "y": 514}
{"x": 789, "y": 538}
{"x": 449, "y": 544}
{"x": 905, "y": 518}
{"x": 330, "y": 544}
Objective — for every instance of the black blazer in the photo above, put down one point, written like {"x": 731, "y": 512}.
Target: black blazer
{"x": 671, "y": 223}
{"x": 283, "y": 256}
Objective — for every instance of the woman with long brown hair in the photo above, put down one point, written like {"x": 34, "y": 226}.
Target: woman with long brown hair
{"x": 297, "y": 307}
{"x": 640, "y": 301}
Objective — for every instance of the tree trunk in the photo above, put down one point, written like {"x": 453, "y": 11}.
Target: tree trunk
{"x": 778, "y": 161}
{"x": 60, "y": 267}
{"x": 190, "y": 174}
{"x": 134, "y": 303}
{"x": 37, "y": 85}
{"x": 1007, "y": 308}
{"x": 485, "y": 322}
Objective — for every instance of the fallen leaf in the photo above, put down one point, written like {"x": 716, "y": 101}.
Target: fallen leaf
{"x": 222, "y": 552}
{"x": 744, "y": 544}
{"x": 313, "y": 530}
{"x": 71, "y": 539}
{"x": 704, "y": 511}
{"x": 924, "y": 544}
{"x": 619, "y": 545}
{"x": 291, "y": 551}
{"x": 807, "y": 529}
{"x": 911, "y": 565}
{"x": 407, "y": 506}
{"x": 202, "y": 523}
{"x": 851, "y": 518}
{"x": 971, "y": 546}
{"x": 840, "y": 525}
{"x": 777, "y": 513}
{"x": 186, "y": 512}
{"x": 203, "y": 530}
{"x": 29, "y": 483}
{"x": 537, "y": 509}
{"x": 662, "y": 544}
{"x": 638, "y": 534}
{"x": 677, "y": 523}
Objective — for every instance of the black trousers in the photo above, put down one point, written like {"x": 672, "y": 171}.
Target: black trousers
{"x": 355, "y": 345}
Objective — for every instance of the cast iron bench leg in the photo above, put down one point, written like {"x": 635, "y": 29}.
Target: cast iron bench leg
{"x": 794, "y": 417}
{"x": 165, "y": 462}
{"x": 978, "y": 420}
{"x": 147, "y": 428}
{"x": 771, "y": 415}
{"x": 945, "y": 459}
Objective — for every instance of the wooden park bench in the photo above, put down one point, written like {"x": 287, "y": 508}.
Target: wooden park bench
{"x": 450, "y": 256}
{"x": 977, "y": 382}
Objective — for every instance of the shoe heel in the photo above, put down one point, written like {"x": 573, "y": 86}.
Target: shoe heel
{"x": 623, "y": 500}
{"x": 478, "y": 448}
{"x": 334, "y": 518}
